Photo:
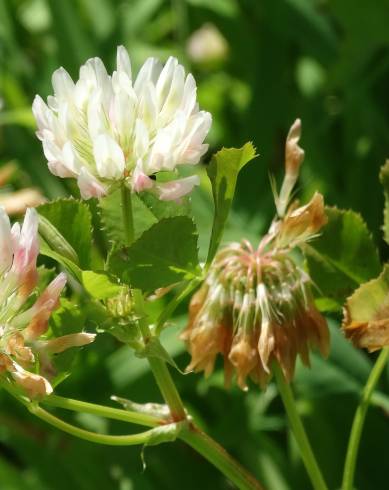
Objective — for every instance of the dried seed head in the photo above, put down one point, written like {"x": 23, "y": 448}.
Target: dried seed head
{"x": 254, "y": 308}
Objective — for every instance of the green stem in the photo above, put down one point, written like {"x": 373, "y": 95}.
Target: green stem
{"x": 307, "y": 455}
{"x": 206, "y": 446}
{"x": 102, "y": 411}
{"x": 128, "y": 217}
{"x": 359, "y": 420}
{"x": 219, "y": 457}
{"x": 158, "y": 366}
{"x": 128, "y": 440}
{"x": 171, "y": 307}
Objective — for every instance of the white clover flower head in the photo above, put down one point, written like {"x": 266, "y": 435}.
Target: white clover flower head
{"x": 21, "y": 325}
{"x": 104, "y": 129}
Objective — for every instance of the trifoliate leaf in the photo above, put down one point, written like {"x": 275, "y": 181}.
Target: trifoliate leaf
{"x": 73, "y": 221}
{"x": 384, "y": 178}
{"x": 166, "y": 209}
{"x": 343, "y": 256}
{"x": 223, "y": 172}
{"x": 165, "y": 254}
{"x": 112, "y": 217}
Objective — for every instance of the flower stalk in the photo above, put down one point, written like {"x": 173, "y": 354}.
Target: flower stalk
{"x": 158, "y": 367}
{"x": 359, "y": 420}
{"x": 307, "y": 454}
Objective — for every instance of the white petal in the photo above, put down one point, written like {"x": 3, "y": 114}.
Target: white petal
{"x": 122, "y": 116}
{"x": 123, "y": 62}
{"x": 174, "y": 190}
{"x": 40, "y": 111}
{"x": 97, "y": 117}
{"x": 6, "y": 247}
{"x": 192, "y": 149}
{"x": 189, "y": 97}
{"x": 141, "y": 143}
{"x": 109, "y": 157}
{"x": 58, "y": 163}
{"x": 148, "y": 73}
{"x": 174, "y": 97}
{"x": 165, "y": 80}
{"x": 89, "y": 185}
{"x": 63, "y": 84}
{"x": 147, "y": 110}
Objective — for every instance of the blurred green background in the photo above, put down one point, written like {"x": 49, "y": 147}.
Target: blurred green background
{"x": 259, "y": 64}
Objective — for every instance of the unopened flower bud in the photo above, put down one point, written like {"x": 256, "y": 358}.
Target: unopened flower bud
{"x": 294, "y": 156}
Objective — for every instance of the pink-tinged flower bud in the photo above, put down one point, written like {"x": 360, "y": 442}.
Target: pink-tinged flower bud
{"x": 41, "y": 311}
{"x": 254, "y": 308}
{"x": 6, "y": 248}
{"x": 176, "y": 189}
{"x": 60, "y": 344}
{"x": 26, "y": 251}
{"x": 23, "y": 356}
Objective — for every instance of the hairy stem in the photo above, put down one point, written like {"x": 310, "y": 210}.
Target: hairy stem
{"x": 359, "y": 420}
{"x": 128, "y": 217}
{"x": 296, "y": 424}
{"x": 158, "y": 366}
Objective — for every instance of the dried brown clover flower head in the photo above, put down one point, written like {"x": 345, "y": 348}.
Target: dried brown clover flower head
{"x": 256, "y": 306}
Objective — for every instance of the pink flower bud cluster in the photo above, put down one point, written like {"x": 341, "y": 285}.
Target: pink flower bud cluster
{"x": 21, "y": 324}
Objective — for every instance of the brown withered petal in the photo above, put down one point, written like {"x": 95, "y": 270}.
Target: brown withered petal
{"x": 294, "y": 155}
{"x": 373, "y": 335}
{"x": 243, "y": 356}
{"x": 60, "y": 344}
{"x": 36, "y": 386}
{"x": 302, "y": 223}
{"x": 15, "y": 347}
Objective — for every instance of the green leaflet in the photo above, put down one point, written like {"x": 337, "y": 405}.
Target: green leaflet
{"x": 100, "y": 285}
{"x": 223, "y": 172}
{"x": 112, "y": 217}
{"x": 342, "y": 257}
{"x": 73, "y": 221}
{"x": 146, "y": 208}
{"x": 164, "y": 254}
{"x": 371, "y": 300}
